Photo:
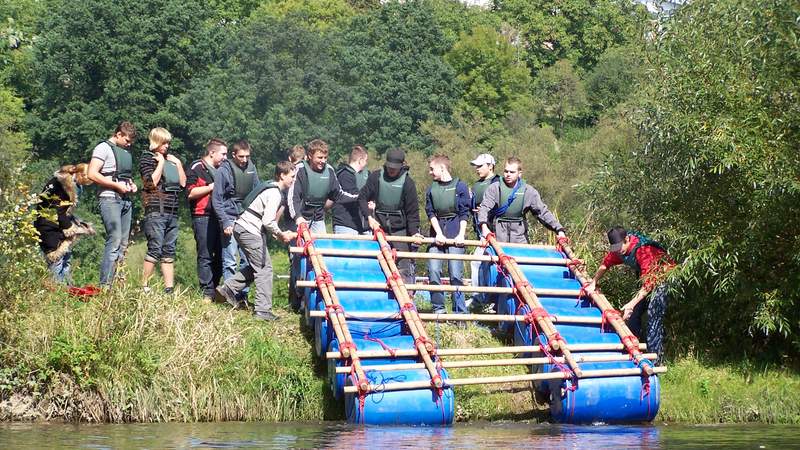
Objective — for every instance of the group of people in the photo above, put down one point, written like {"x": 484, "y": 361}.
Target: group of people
{"x": 234, "y": 212}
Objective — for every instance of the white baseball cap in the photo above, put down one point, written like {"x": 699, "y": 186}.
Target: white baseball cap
{"x": 483, "y": 158}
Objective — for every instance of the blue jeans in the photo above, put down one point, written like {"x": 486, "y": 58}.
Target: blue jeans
{"x": 230, "y": 249}
{"x": 209, "y": 252}
{"x": 341, "y": 229}
{"x": 456, "y": 278}
{"x": 116, "y": 214}
{"x": 61, "y": 269}
{"x": 161, "y": 230}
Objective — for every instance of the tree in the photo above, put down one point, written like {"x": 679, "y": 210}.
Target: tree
{"x": 494, "y": 82}
{"x": 392, "y": 60}
{"x": 560, "y": 93}
{"x": 614, "y": 78}
{"x": 318, "y": 15}
{"x": 717, "y": 175}
{"x": 576, "y": 30}
{"x": 125, "y": 65}
{"x": 274, "y": 86}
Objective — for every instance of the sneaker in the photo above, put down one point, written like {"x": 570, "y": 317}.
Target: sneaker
{"x": 488, "y": 309}
{"x": 224, "y": 295}
{"x": 146, "y": 289}
{"x": 169, "y": 290}
{"x": 267, "y": 316}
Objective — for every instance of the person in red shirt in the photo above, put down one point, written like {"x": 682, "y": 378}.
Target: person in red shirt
{"x": 651, "y": 264}
{"x": 205, "y": 224}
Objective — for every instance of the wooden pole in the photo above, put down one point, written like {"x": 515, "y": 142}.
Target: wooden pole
{"x": 461, "y": 317}
{"x": 482, "y": 351}
{"x": 331, "y": 300}
{"x": 439, "y": 256}
{"x": 423, "y": 344}
{"x": 444, "y": 288}
{"x": 491, "y": 363}
{"x": 626, "y": 336}
{"x": 507, "y": 379}
{"x": 553, "y": 338}
{"x": 411, "y": 239}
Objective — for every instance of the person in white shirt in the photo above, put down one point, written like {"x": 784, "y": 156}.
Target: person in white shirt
{"x": 259, "y": 218}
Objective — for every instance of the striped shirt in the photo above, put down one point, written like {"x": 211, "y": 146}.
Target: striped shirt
{"x": 154, "y": 198}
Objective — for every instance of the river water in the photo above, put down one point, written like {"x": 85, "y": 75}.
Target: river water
{"x": 479, "y": 435}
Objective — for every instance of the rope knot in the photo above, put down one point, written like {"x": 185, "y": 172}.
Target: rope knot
{"x": 324, "y": 279}
{"x": 425, "y": 341}
{"x": 334, "y": 309}
{"x": 488, "y": 238}
{"x": 609, "y": 315}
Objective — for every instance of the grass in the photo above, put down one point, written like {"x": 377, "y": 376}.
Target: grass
{"x": 129, "y": 356}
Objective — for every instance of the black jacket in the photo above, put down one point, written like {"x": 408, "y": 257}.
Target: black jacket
{"x": 409, "y": 204}
{"x": 57, "y": 201}
{"x": 346, "y": 211}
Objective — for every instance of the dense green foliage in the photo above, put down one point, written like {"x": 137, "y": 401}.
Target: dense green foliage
{"x": 684, "y": 127}
{"x": 717, "y": 173}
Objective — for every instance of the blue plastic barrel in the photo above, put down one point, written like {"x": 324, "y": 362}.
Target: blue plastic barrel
{"x": 606, "y": 400}
{"x": 324, "y": 333}
{"x": 398, "y": 342}
{"x": 408, "y": 407}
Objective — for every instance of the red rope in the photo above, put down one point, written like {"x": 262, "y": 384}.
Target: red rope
{"x": 333, "y": 309}
{"x": 535, "y": 314}
{"x": 325, "y": 278}
{"x": 608, "y": 316}
{"x": 424, "y": 341}
{"x": 301, "y": 229}
{"x": 574, "y": 262}
{"x": 394, "y": 255}
{"x": 562, "y": 241}
{"x": 504, "y": 259}
{"x": 487, "y": 239}
{"x": 348, "y": 345}
{"x": 631, "y": 344}
{"x": 392, "y": 351}
{"x": 306, "y": 246}
{"x": 378, "y": 232}
{"x": 408, "y": 307}
{"x": 362, "y": 395}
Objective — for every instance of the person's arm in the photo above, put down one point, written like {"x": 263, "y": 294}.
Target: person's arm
{"x": 534, "y": 203}
{"x": 489, "y": 202}
{"x": 96, "y": 165}
{"x": 348, "y": 190}
{"x": 463, "y": 202}
{"x": 193, "y": 191}
{"x": 627, "y": 309}
{"x": 295, "y": 197}
{"x": 218, "y": 197}
{"x": 272, "y": 203}
{"x": 157, "y": 171}
{"x": 610, "y": 260}
{"x": 368, "y": 193}
{"x": 411, "y": 207}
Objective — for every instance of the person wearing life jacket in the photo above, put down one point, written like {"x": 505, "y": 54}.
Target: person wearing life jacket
{"x": 508, "y": 201}
{"x": 484, "y": 168}
{"x": 57, "y": 201}
{"x": 207, "y": 234}
{"x": 235, "y": 179}
{"x": 651, "y": 264}
{"x": 389, "y": 200}
{"x": 447, "y": 205}
{"x": 315, "y": 188}
{"x": 259, "y": 219}
{"x": 163, "y": 178}
{"x": 111, "y": 168}
{"x": 347, "y": 218}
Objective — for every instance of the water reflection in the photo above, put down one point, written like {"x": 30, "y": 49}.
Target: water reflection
{"x": 342, "y": 436}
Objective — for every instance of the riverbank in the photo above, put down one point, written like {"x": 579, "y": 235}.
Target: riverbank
{"x": 126, "y": 356}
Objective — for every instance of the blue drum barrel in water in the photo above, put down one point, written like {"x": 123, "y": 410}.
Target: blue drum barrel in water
{"x": 408, "y": 407}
